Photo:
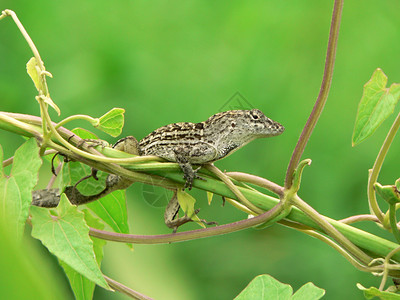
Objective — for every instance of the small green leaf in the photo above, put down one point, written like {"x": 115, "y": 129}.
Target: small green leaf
{"x": 209, "y": 197}
{"x": 16, "y": 189}
{"x": 388, "y": 193}
{"x": 376, "y": 104}
{"x": 186, "y": 201}
{"x": 82, "y": 287}
{"x": 67, "y": 237}
{"x": 265, "y": 287}
{"x": 50, "y": 102}
{"x": 33, "y": 71}
{"x": 374, "y": 292}
{"x": 112, "y": 122}
{"x": 84, "y": 134}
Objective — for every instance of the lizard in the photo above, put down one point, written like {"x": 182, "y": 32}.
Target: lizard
{"x": 188, "y": 144}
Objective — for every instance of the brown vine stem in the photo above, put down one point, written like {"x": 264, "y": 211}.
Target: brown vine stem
{"x": 188, "y": 235}
{"x": 125, "y": 290}
{"x": 233, "y": 188}
{"x": 359, "y": 218}
{"x": 323, "y": 93}
{"x": 259, "y": 181}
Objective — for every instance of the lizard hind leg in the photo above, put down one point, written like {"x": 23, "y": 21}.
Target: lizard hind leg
{"x": 172, "y": 219}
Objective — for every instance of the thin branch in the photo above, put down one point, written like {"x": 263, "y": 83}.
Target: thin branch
{"x": 335, "y": 246}
{"x": 125, "y": 290}
{"x": 20, "y": 126}
{"x": 393, "y": 221}
{"x": 387, "y": 267}
{"x": 75, "y": 117}
{"x": 54, "y": 177}
{"x": 25, "y": 34}
{"x": 233, "y": 188}
{"x": 373, "y": 177}
{"x": 359, "y": 218}
{"x": 188, "y": 235}
{"x": 10, "y": 160}
{"x": 24, "y": 124}
{"x": 256, "y": 180}
{"x": 330, "y": 230}
{"x": 323, "y": 93}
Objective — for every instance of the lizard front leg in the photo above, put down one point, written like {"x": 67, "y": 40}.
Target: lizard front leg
{"x": 189, "y": 174}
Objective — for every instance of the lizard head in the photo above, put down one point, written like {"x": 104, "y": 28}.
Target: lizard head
{"x": 233, "y": 129}
{"x": 245, "y": 124}
{"x": 261, "y": 125}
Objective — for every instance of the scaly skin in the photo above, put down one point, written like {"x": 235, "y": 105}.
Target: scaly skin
{"x": 208, "y": 141}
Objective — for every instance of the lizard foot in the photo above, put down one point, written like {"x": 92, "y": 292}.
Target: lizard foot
{"x": 176, "y": 223}
{"x": 190, "y": 175}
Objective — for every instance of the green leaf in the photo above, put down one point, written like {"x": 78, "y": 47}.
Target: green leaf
{"x": 265, "y": 287}
{"x": 376, "y": 104}
{"x": 67, "y": 237}
{"x": 388, "y": 193}
{"x": 26, "y": 273}
{"x": 16, "y": 189}
{"x": 374, "y": 292}
{"x": 308, "y": 291}
{"x": 74, "y": 171}
{"x": 84, "y": 133}
{"x": 186, "y": 201}
{"x": 82, "y": 287}
{"x": 112, "y": 210}
{"x": 33, "y": 71}
{"x": 209, "y": 197}
{"x": 50, "y": 102}
{"x": 112, "y": 122}
{"x": 268, "y": 288}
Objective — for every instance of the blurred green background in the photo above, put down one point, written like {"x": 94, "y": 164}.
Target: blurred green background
{"x": 166, "y": 62}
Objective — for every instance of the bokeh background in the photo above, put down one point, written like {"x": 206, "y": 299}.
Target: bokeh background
{"x": 166, "y": 62}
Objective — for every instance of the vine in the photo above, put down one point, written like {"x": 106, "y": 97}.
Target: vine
{"x": 81, "y": 229}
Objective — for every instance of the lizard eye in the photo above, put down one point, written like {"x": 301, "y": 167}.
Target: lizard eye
{"x": 255, "y": 117}
{"x": 233, "y": 124}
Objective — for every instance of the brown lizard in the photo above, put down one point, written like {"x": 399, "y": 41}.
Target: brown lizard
{"x": 189, "y": 144}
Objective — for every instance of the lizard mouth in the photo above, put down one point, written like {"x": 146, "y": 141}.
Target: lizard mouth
{"x": 274, "y": 129}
